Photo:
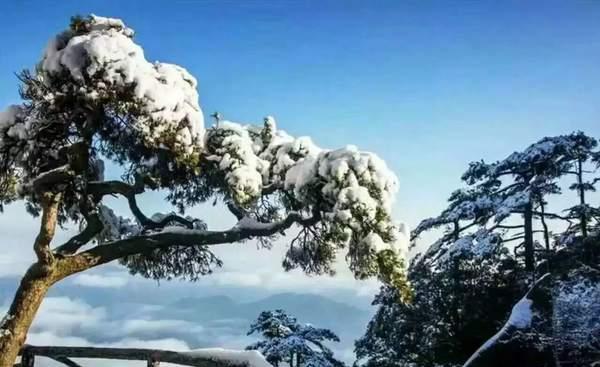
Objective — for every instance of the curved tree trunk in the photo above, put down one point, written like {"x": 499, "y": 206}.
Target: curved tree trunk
{"x": 545, "y": 225}
{"x": 581, "y": 192}
{"x": 529, "y": 250}
{"x": 34, "y": 285}
{"x": 29, "y": 296}
{"x": 52, "y": 266}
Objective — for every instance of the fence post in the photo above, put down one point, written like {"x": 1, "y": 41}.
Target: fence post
{"x": 153, "y": 360}
{"x": 27, "y": 358}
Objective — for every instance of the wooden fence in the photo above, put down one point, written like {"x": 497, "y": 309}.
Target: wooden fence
{"x": 153, "y": 357}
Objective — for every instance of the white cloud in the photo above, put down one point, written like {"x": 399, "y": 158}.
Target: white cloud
{"x": 148, "y": 326}
{"x": 18, "y": 230}
{"x": 277, "y": 280}
{"x": 237, "y": 279}
{"x": 71, "y": 321}
{"x": 166, "y": 344}
{"x": 49, "y": 338}
{"x": 246, "y": 266}
{"x": 60, "y": 318}
{"x": 62, "y": 315}
{"x": 101, "y": 280}
{"x": 12, "y": 265}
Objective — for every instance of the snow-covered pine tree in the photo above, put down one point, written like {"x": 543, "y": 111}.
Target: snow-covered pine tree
{"x": 576, "y": 317}
{"x": 468, "y": 279}
{"x": 557, "y": 322}
{"x": 468, "y": 210}
{"x": 454, "y": 307}
{"x": 286, "y": 340}
{"x": 516, "y": 184}
{"x": 595, "y": 161}
{"x": 502, "y": 200}
{"x": 95, "y": 97}
{"x": 581, "y": 153}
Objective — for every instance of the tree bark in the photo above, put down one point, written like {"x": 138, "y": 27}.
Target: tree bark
{"x": 27, "y": 300}
{"x": 50, "y": 203}
{"x": 545, "y": 225}
{"x": 33, "y": 287}
{"x": 50, "y": 268}
{"x": 456, "y": 231}
{"x": 529, "y": 250}
{"x": 581, "y": 190}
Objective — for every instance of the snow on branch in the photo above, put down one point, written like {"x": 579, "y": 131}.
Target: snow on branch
{"x": 96, "y": 91}
{"x": 352, "y": 189}
{"x": 5, "y": 332}
{"x": 520, "y": 318}
{"x": 99, "y": 54}
{"x": 177, "y": 236}
{"x": 283, "y": 337}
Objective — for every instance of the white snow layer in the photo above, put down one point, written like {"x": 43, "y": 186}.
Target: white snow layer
{"x": 353, "y": 189}
{"x": 521, "y": 314}
{"x": 109, "y": 57}
{"x": 5, "y": 319}
{"x": 575, "y": 311}
{"x": 520, "y": 318}
{"x": 250, "y": 358}
{"x": 357, "y": 185}
{"x": 11, "y": 123}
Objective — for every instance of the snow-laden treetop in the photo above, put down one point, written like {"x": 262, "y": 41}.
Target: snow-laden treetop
{"x": 100, "y": 56}
{"x": 482, "y": 217}
{"x": 283, "y": 337}
{"x": 94, "y": 96}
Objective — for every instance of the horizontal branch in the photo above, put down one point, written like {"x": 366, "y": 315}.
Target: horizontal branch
{"x": 547, "y": 215}
{"x": 512, "y": 239}
{"x": 102, "y": 188}
{"x": 52, "y": 177}
{"x": 170, "y": 219}
{"x": 179, "y": 236}
{"x": 93, "y": 226}
{"x": 503, "y": 226}
{"x": 181, "y": 358}
{"x": 270, "y": 189}
{"x": 551, "y": 215}
{"x": 236, "y": 210}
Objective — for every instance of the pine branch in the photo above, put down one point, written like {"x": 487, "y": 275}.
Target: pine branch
{"x": 93, "y": 227}
{"x": 52, "y": 178}
{"x": 179, "y": 237}
{"x": 129, "y": 192}
{"x": 236, "y": 210}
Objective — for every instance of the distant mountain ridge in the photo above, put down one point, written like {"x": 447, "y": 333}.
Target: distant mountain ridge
{"x": 214, "y": 320}
{"x": 310, "y": 308}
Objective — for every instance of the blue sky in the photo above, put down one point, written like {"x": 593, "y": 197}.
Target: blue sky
{"x": 427, "y": 85}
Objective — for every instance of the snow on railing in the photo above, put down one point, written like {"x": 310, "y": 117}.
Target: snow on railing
{"x": 210, "y": 357}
